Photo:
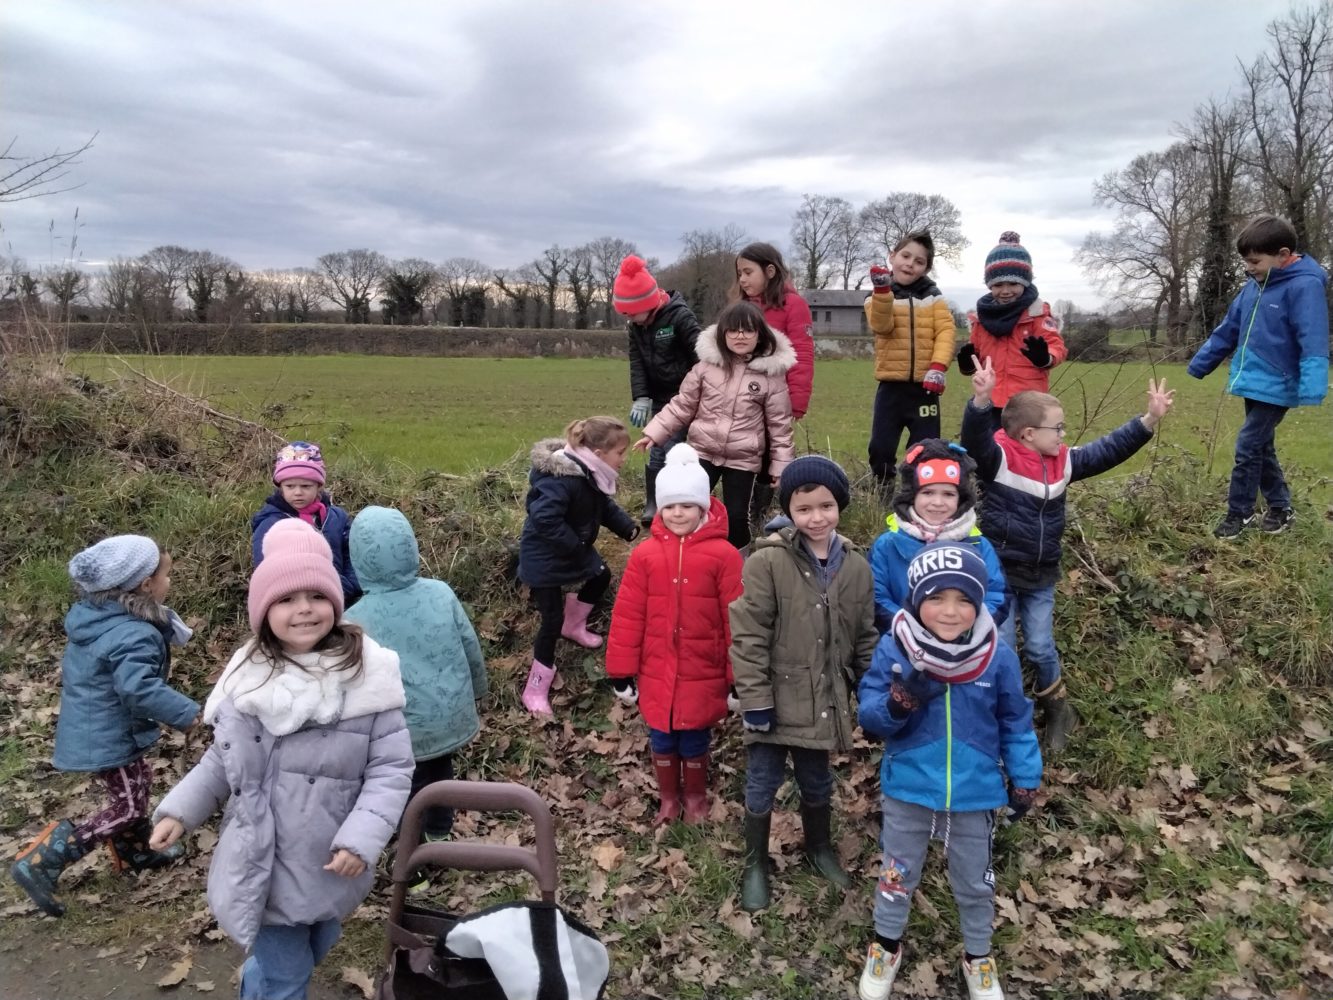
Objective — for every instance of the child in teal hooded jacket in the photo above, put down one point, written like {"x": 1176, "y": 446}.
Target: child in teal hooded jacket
{"x": 444, "y": 674}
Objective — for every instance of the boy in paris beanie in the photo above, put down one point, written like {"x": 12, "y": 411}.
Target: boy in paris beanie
{"x": 635, "y": 290}
{"x": 296, "y": 557}
{"x": 1009, "y": 261}
{"x": 299, "y": 460}
{"x": 683, "y": 479}
{"x": 120, "y": 562}
{"x": 947, "y": 566}
{"x": 814, "y": 470}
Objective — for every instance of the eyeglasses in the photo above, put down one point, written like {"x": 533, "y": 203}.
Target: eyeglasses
{"x": 1058, "y": 428}
{"x": 742, "y": 333}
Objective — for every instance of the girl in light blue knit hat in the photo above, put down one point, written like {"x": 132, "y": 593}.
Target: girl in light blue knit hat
{"x": 114, "y": 700}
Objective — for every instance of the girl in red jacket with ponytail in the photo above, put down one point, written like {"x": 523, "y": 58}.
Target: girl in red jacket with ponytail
{"x": 668, "y": 649}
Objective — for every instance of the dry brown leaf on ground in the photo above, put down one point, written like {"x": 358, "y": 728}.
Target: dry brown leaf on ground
{"x": 608, "y": 855}
{"x": 177, "y": 973}
{"x": 355, "y": 977}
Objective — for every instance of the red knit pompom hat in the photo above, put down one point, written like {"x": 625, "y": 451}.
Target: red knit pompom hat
{"x": 296, "y": 557}
{"x": 635, "y": 290}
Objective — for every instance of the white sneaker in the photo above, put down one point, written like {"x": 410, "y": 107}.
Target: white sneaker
{"x": 877, "y": 976}
{"x": 983, "y": 979}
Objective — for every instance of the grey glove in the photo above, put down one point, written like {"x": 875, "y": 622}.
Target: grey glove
{"x": 640, "y": 411}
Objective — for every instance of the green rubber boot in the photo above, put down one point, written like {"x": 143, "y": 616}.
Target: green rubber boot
{"x": 817, "y": 820}
{"x": 755, "y": 893}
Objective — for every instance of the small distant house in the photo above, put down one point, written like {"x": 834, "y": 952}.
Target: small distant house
{"x": 837, "y": 311}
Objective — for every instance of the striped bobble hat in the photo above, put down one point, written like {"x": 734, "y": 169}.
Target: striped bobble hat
{"x": 1009, "y": 261}
{"x": 635, "y": 290}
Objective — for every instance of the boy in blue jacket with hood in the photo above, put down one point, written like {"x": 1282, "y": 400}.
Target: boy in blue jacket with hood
{"x": 945, "y": 693}
{"x": 1276, "y": 332}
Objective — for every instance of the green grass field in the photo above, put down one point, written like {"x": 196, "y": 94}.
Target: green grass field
{"x": 454, "y": 414}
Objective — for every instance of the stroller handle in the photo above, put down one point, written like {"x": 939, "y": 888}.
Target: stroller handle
{"x": 483, "y": 796}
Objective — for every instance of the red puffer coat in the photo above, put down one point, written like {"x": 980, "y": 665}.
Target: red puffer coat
{"x": 670, "y": 628}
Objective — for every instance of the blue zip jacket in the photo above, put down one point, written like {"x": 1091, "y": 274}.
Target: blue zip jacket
{"x": 894, "y": 549}
{"x": 114, "y": 695}
{"x": 1277, "y": 336}
{"x": 439, "y": 656}
{"x": 954, "y": 752}
{"x": 334, "y": 529}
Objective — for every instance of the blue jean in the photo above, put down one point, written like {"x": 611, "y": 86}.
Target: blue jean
{"x": 1035, "y": 609}
{"x": 1256, "y": 469}
{"x": 767, "y": 765}
{"x": 686, "y": 742}
{"x": 284, "y": 957}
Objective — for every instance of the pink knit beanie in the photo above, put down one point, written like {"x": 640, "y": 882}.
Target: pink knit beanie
{"x": 299, "y": 460}
{"x": 296, "y": 557}
{"x": 634, "y": 290}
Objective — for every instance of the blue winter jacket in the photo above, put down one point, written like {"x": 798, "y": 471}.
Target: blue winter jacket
{"x": 334, "y": 529}
{"x": 424, "y": 623}
{"x": 566, "y": 512}
{"x": 1277, "y": 336}
{"x": 1023, "y": 511}
{"x": 114, "y": 694}
{"x": 894, "y": 549}
{"x": 954, "y": 753}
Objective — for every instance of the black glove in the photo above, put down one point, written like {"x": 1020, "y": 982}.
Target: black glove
{"x": 1035, "y": 350}
{"x": 967, "y": 360}
{"x": 1020, "y": 801}
{"x": 910, "y": 691}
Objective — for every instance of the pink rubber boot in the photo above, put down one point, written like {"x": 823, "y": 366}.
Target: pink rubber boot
{"x": 575, "y": 628}
{"x": 537, "y": 688}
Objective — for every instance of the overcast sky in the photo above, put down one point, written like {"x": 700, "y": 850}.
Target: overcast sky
{"x": 275, "y": 132}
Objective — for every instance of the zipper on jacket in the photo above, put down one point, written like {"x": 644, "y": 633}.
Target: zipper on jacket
{"x": 948, "y": 750}
{"x": 1041, "y": 511}
{"x": 911, "y": 340}
{"x": 1245, "y": 344}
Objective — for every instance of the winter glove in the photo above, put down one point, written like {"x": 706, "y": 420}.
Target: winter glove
{"x": 626, "y": 690}
{"x": 1020, "y": 801}
{"x": 934, "y": 380}
{"x": 881, "y": 277}
{"x": 967, "y": 360}
{"x": 760, "y": 721}
{"x": 638, "y": 413}
{"x": 1035, "y": 350}
{"x": 910, "y": 691}
{"x": 733, "y": 699}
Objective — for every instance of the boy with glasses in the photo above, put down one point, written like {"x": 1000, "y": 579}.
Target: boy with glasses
{"x": 1027, "y": 468}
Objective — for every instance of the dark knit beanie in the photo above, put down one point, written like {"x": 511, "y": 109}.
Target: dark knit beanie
{"x": 947, "y": 566}
{"x": 1009, "y": 261}
{"x": 934, "y": 450}
{"x": 814, "y": 470}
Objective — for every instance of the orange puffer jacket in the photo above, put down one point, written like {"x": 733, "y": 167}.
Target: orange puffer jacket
{"x": 910, "y": 335}
{"x": 1014, "y": 373}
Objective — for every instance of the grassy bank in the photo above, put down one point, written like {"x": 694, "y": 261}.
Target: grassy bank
{"x": 1181, "y": 847}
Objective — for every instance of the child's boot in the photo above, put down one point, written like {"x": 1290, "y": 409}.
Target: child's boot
{"x": 667, "y": 769}
{"x": 819, "y": 850}
{"x": 38, "y": 866}
{"x": 537, "y": 689}
{"x": 1059, "y": 716}
{"x": 754, "y": 881}
{"x": 983, "y": 979}
{"x": 649, "y": 496}
{"x": 575, "y": 628}
{"x": 878, "y": 974}
{"x": 694, "y": 777}
{"x": 130, "y": 850}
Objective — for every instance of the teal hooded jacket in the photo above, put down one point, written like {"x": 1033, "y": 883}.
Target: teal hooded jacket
{"x": 424, "y": 623}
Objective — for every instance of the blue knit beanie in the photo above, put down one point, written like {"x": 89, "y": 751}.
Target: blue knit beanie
{"x": 947, "y": 566}
{"x": 814, "y": 470}
{"x": 1009, "y": 261}
{"x": 121, "y": 562}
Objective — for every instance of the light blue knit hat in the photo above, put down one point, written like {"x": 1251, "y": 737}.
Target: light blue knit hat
{"x": 120, "y": 562}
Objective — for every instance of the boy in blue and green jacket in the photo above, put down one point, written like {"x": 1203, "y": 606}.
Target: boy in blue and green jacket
{"x": 945, "y": 693}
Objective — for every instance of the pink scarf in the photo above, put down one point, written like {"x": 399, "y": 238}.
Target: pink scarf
{"x": 603, "y": 475}
{"x": 313, "y": 513}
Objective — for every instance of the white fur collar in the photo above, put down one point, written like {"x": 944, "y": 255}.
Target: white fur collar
{"x": 779, "y": 362}
{"x": 287, "y": 700}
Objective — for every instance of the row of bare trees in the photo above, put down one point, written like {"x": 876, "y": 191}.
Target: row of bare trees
{"x": 1266, "y": 147}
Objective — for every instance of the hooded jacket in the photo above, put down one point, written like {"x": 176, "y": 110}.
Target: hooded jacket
{"x": 911, "y": 334}
{"x": 114, "y": 695}
{"x": 1014, "y": 373}
{"x": 793, "y": 319}
{"x": 334, "y": 529}
{"x": 798, "y": 650}
{"x": 661, "y": 351}
{"x": 669, "y": 625}
{"x": 439, "y": 656}
{"x": 329, "y": 769}
{"x": 1277, "y": 336}
{"x": 954, "y": 753}
{"x": 566, "y": 511}
{"x": 735, "y": 412}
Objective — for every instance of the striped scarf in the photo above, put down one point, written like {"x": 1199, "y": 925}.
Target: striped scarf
{"x": 964, "y": 659}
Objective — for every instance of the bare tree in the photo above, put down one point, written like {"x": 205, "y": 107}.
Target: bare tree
{"x": 521, "y": 287}
{"x": 581, "y": 284}
{"x": 124, "y": 287}
{"x": 65, "y": 284}
{"x": 167, "y": 263}
{"x": 349, "y": 278}
{"x": 24, "y": 177}
{"x": 1289, "y": 98}
{"x": 272, "y": 290}
{"x": 886, "y": 221}
{"x": 204, "y": 281}
{"x": 852, "y": 253}
{"x": 460, "y": 279}
{"x": 550, "y": 267}
{"x": 307, "y": 291}
{"x": 815, "y": 233}
{"x": 705, "y": 272}
{"x": 607, "y": 253}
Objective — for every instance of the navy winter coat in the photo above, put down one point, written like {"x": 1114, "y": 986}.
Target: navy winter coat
{"x": 661, "y": 351}
{"x": 566, "y": 511}
{"x": 335, "y": 530}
